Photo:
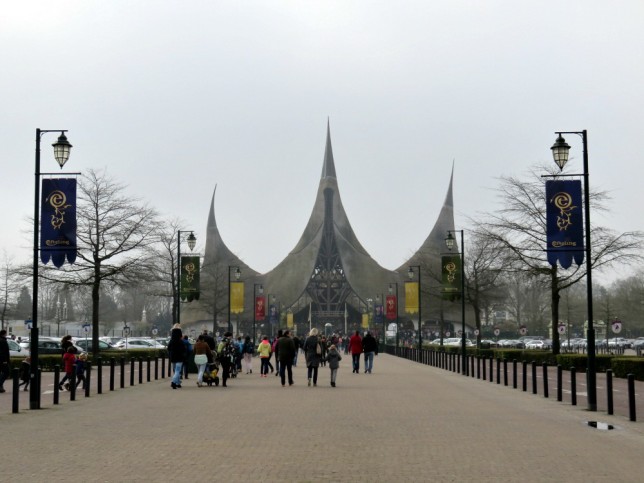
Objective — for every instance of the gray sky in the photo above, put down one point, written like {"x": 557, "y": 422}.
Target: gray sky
{"x": 174, "y": 97}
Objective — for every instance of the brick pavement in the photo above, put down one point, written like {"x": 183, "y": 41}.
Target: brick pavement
{"x": 406, "y": 421}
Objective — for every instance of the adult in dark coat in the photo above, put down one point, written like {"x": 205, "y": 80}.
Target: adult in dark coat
{"x": 355, "y": 347}
{"x": 5, "y": 358}
{"x": 286, "y": 349}
{"x": 177, "y": 352}
{"x": 370, "y": 349}
{"x": 312, "y": 351}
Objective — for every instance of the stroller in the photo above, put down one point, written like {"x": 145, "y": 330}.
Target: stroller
{"x": 210, "y": 375}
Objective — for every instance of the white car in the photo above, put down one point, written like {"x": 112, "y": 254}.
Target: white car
{"x": 138, "y": 344}
{"x": 535, "y": 344}
{"x": 15, "y": 350}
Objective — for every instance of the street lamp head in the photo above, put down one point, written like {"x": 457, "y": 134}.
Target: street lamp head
{"x": 560, "y": 151}
{"x": 261, "y": 289}
{"x": 237, "y": 273}
{"x": 449, "y": 241}
{"x": 61, "y": 150}
{"x": 391, "y": 289}
{"x": 192, "y": 241}
{"x": 410, "y": 273}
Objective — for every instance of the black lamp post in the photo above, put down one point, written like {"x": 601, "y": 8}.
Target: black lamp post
{"x": 257, "y": 289}
{"x": 410, "y": 274}
{"x": 449, "y": 241}
{"x": 237, "y": 277}
{"x": 192, "y": 241}
{"x": 61, "y": 154}
{"x": 560, "y": 151}
{"x": 391, "y": 292}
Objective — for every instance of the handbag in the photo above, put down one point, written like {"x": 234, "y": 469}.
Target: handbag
{"x": 318, "y": 349}
{"x": 201, "y": 359}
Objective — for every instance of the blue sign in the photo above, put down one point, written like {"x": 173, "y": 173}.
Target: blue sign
{"x": 564, "y": 223}
{"x": 58, "y": 221}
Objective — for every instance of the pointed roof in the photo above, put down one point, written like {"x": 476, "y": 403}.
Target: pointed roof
{"x": 328, "y": 167}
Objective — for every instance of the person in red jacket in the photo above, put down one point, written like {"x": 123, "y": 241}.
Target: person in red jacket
{"x": 69, "y": 359}
{"x": 355, "y": 347}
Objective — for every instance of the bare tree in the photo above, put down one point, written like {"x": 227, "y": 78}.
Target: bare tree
{"x": 115, "y": 232}
{"x": 9, "y": 287}
{"x": 215, "y": 298}
{"x": 519, "y": 227}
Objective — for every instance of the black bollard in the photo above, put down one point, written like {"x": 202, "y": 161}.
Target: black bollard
{"x": 609, "y": 390}
{"x": 88, "y": 378}
{"x": 162, "y": 367}
{"x": 631, "y": 397}
{"x": 458, "y": 364}
{"x": 140, "y": 371}
{"x": 545, "y": 379}
{"x": 498, "y": 370}
{"x": 148, "y": 369}
{"x": 122, "y": 372}
{"x": 15, "y": 400}
{"x": 72, "y": 385}
{"x": 112, "y": 364}
{"x": 514, "y": 373}
{"x": 99, "y": 375}
{"x": 524, "y": 375}
{"x": 559, "y": 383}
{"x": 478, "y": 367}
{"x": 505, "y": 372}
{"x": 573, "y": 386}
{"x": 491, "y": 368}
{"x": 484, "y": 369}
{"x": 534, "y": 377}
{"x": 156, "y": 368}
{"x": 56, "y": 383}
{"x": 131, "y": 371}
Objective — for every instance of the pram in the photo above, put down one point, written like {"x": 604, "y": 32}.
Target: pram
{"x": 210, "y": 375}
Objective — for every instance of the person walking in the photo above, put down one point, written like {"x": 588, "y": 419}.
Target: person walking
{"x": 81, "y": 364}
{"x": 5, "y": 359}
{"x": 248, "y": 349}
{"x": 177, "y": 353}
{"x": 189, "y": 355}
{"x": 355, "y": 347}
{"x": 286, "y": 350}
{"x": 275, "y": 351}
{"x": 333, "y": 358}
{"x": 226, "y": 356}
{"x": 25, "y": 372}
{"x": 69, "y": 359}
{"x": 264, "y": 349}
{"x": 369, "y": 348}
{"x": 203, "y": 354}
{"x": 312, "y": 352}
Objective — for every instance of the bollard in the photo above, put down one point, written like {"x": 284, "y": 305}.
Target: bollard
{"x": 472, "y": 365}
{"x": 524, "y": 375}
{"x": 484, "y": 369}
{"x": 99, "y": 375}
{"x": 131, "y": 371}
{"x": 15, "y": 399}
{"x": 534, "y": 377}
{"x": 545, "y": 379}
{"x": 514, "y": 373}
{"x": 56, "y": 383}
{"x": 609, "y": 390}
{"x": 156, "y": 368}
{"x": 573, "y": 386}
{"x": 140, "y": 371}
{"x": 478, "y": 367}
{"x": 491, "y": 368}
{"x": 458, "y": 364}
{"x": 559, "y": 383}
{"x": 122, "y": 372}
{"x": 88, "y": 378}
{"x": 498, "y": 370}
{"x": 162, "y": 366}
{"x": 505, "y": 372}
{"x": 72, "y": 385}
{"x": 631, "y": 397}
{"x": 112, "y": 364}
{"x": 148, "y": 371}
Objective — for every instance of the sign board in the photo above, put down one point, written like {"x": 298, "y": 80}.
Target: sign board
{"x": 448, "y": 333}
{"x": 497, "y": 331}
{"x": 86, "y": 328}
{"x": 28, "y": 324}
{"x": 477, "y": 332}
{"x": 155, "y": 331}
{"x": 616, "y": 325}
{"x": 523, "y": 330}
{"x": 561, "y": 329}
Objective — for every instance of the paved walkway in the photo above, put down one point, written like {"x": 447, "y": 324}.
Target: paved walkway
{"x": 406, "y": 421}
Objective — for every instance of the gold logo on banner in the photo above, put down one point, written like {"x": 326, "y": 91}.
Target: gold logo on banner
{"x": 563, "y": 201}
{"x": 58, "y": 202}
{"x": 451, "y": 270}
{"x": 190, "y": 272}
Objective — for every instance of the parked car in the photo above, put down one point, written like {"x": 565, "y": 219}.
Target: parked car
{"x": 15, "y": 350}
{"x": 535, "y": 344}
{"x": 139, "y": 344}
{"x": 84, "y": 344}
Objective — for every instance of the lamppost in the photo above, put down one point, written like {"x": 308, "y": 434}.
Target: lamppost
{"x": 379, "y": 307}
{"x": 257, "y": 289}
{"x": 449, "y": 241}
{"x": 391, "y": 292}
{"x": 61, "y": 154}
{"x": 237, "y": 277}
{"x": 560, "y": 151}
{"x": 410, "y": 274}
{"x": 192, "y": 241}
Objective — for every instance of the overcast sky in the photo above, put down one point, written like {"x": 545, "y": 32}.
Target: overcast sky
{"x": 175, "y": 97}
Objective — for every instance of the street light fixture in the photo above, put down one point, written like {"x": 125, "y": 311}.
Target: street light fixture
{"x": 192, "y": 241}
{"x": 449, "y": 242}
{"x": 237, "y": 277}
{"x": 257, "y": 289}
{"x": 560, "y": 150}
{"x": 62, "y": 148}
{"x": 410, "y": 274}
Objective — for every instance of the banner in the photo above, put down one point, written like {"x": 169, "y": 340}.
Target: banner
{"x": 260, "y": 308}
{"x": 58, "y": 221}
{"x": 273, "y": 314}
{"x": 236, "y": 297}
{"x": 411, "y": 297}
{"x": 451, "y": 277}
{"x": 365, "y": 321}
{"x": 189, "y": 278}
{"x": 289, "y": 320}
{"x": 564, "y": 222}
{"x": 392, "y": 307}
{"x": 378, "y": 315}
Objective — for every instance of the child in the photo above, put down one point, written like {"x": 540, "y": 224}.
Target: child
{"x": 264, "y": 350}
{"x": 25, "y": 373}
{"x": 333, "y": 357}
{"x": 80, "y": 369}
{"x": 69, "y": 359}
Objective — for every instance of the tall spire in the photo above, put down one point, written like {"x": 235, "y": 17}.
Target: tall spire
{"x": 328, "y": 169}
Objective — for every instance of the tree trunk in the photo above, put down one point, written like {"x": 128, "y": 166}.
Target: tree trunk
{"x": 96, "y": 285}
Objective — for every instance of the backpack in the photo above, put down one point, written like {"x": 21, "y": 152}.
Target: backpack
{"x": 227, "y": 351}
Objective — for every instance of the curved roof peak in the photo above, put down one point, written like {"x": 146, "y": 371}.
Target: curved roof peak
{"x": 328, "y": 167}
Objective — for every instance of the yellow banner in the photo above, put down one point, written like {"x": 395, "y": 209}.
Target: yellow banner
{"x": 236, "y": 297}
{"x": 411, "y": 297}
{"x": 289, "y": 320}
{"x": 365, "y": 321}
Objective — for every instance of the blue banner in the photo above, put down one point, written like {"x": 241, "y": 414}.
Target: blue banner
{"x": 58, "y": 221}
{"x": 273, "y": 315}
{"x": 564, "y": 221}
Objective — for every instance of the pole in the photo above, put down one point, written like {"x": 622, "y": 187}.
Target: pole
{"x": 463, "y": 344}
{"x": 178, "y": 318}
{"x": 420, "y": 318}
{"x": 34, "y": 393}
{"x": 229, "y": 324}
{"x": 592, "y": 375}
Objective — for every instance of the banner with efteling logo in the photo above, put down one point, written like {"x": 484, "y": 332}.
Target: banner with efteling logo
{"x": 564, "y": 222}
{"x": 58, "y": 221}
{"x": 392, "y": 307}
{"x": 451, "y": 271}
{"x": 189, "y": 278}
